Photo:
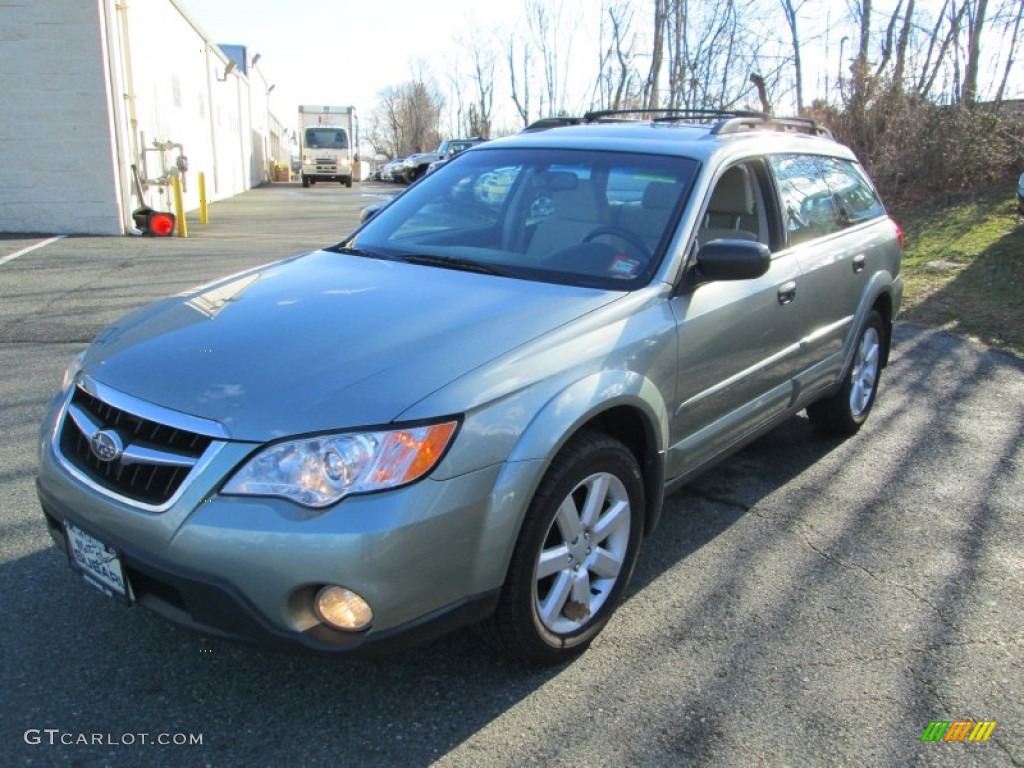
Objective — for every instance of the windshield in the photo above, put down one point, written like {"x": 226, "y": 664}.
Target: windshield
{"x": 326, "y": 138}
{"x": 600, "y": 219}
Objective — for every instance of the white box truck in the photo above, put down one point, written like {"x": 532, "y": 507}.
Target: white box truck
{"x": 328, "y": 141}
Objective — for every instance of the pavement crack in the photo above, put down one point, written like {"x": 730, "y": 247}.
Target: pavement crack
{"x": 803, "y": 530}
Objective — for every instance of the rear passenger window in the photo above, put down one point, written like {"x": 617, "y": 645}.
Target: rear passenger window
{"x": 822, "y": 195}
{"x": 807, "y": 205}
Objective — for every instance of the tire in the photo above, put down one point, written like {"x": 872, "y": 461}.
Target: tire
{"x": 347, "y": 181}
{"x": 573, "y": 559}
{"x": 844, "y": 412}
{"x": 305, "y": 181}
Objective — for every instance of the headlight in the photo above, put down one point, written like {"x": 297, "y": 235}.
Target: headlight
{"x": 318, "y": 471}
{"x": 72, "y": 370}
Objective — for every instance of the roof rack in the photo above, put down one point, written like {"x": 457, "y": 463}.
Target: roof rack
{"x": 726, "y": 120}
{"x": 668, "y": 114}
{"x": 741, "y": 124}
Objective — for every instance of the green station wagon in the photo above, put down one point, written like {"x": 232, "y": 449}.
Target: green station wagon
{"x": 471, "y": 409}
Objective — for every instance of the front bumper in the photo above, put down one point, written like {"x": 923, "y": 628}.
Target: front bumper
{"x": 202, "y": 603}
{"x": 426, "y": 557}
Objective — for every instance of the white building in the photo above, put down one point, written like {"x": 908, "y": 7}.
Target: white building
{"x": 96, "y": 88}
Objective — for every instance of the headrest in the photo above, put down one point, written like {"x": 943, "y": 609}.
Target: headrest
{"x": 578, "y": 204}
{"x": 732, "y": 194}
{"x": 659, "y": 195}
{"x": 557, "y": 181}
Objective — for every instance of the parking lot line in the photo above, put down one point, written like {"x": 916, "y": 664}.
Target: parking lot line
{"x": 23, "y": 251}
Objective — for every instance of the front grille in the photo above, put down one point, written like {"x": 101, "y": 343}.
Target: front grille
{"x": 156, "y": 457}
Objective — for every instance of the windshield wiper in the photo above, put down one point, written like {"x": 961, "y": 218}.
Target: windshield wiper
{"x": 348, "y": 251}
{"x": 451, "y": 262}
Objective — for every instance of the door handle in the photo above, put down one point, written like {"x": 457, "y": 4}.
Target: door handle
{"x": 787, "y": 292}
{"x": 858, "y": 262}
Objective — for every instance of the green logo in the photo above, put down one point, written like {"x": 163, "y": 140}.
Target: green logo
{"x": 958, "y": 730}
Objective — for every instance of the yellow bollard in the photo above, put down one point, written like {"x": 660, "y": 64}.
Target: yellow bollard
{"x": 179, "y": 208}
{"x": 204, "y": 210}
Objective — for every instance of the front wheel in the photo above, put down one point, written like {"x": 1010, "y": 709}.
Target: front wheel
{"x": 844, "y": 412}
{"x": 305, "y": 181}
{"x": 575, "y": 552}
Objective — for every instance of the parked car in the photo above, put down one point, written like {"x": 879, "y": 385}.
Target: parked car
{"x": 471, "y": 409}
{"x": 455, "y": 146}
{"x": 387, "y": 171}
{"x": 417, "y": 165}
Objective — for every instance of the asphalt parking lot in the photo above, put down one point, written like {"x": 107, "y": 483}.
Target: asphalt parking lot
{"x": 810, "y": 602}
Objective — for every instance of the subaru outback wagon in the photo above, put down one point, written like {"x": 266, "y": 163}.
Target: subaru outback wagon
{"x": 470, "y": 410}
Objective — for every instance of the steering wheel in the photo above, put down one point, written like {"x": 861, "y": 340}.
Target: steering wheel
{"x": 623, "y": 234}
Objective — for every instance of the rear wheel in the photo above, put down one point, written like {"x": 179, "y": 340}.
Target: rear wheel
{"x": 575, "y": 552}
{"x": 347, "y": 181}
{"x": 844, "y": 412}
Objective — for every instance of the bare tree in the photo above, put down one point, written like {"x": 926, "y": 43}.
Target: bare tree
{"x": 902, "y": 44}
{"x": 860, "y": 73}
{"x": 792, "y": 12}
{"x": 520, "y": 75}
{"x": 935, "y": 61}
{"x": 409, "y": 118}
{"x": 711, "y": 47}
{"x": 483, "y": 78}
{"x": 1016, "y": 17}
{"x": 616, "y": 85}
{"x": 975, "y": 24}
{"x": 652, "y": 93}
{"x": 553, "y": 41}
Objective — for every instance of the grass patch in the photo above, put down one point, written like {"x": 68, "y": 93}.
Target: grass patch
{"x": 964, "y": 268}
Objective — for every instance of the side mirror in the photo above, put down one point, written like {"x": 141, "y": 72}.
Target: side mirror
{"x": 730, "y": 260}
{"x": 369, "y": 212}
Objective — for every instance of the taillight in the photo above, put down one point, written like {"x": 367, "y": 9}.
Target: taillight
{"x": 899, "y": 233}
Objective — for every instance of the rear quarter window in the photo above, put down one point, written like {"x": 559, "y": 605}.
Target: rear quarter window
{"x": 854, "y": 196}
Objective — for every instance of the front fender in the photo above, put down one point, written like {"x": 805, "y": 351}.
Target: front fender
{"x": 583, "y": 401}
{"x": 580, "y": 404}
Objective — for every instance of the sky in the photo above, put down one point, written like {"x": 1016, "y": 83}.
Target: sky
{"x": 343, "y": 52}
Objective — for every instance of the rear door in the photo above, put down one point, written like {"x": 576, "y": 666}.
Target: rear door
{"x": 837, "y": 231}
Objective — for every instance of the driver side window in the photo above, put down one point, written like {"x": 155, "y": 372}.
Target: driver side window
{"x": 735, "y": 208}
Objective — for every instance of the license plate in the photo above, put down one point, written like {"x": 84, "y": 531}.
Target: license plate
{"x": 99, "y": 563}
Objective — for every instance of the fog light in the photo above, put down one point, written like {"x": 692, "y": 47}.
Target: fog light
{"x": 342, "y": 609}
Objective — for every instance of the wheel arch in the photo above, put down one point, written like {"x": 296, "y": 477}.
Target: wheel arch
{"x": 883, "y": 304}
{"x": 621, "y": 404}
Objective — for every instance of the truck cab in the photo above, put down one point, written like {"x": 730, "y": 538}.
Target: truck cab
{"x": 326, "y": 155}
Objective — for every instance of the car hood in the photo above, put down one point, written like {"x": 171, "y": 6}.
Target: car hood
{"x": 324, "y": 341}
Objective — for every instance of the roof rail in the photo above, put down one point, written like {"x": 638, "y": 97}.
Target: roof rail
{"x": 667, "y": 114}
{"x": 726, "y": 121}
{"x": 768, "y": 123}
